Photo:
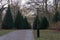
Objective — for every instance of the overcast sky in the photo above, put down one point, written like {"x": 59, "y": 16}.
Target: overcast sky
{"x": 49, "y": 2}
{"x": 22, "y": 2}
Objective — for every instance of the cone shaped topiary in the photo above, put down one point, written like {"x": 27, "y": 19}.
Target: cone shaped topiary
{"x": 19, "y": 21}
{"x": 26, "y": 24}
{"x": 36, "y": 23}
{"x": 56, "y": 17}
{"x": 44, "y": 23}
{"x": 8, "y": 20}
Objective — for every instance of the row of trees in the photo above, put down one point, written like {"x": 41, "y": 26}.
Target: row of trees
{"x": 44, "y": 23}
{"x": 41, "y": 24}
{"x": 20, "y": 22}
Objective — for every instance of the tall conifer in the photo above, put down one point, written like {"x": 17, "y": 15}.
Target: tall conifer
{"x": 36, "y": 23}
{"x": 19, "y": 21}
{"x": 8, "y": 20}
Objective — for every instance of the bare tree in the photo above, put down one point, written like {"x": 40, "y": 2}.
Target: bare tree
{"x": 46, "y": 6}
{"x": 56, "y": 5}
{"x": 43, "y": 6}
{"x": 1, "y": 10}
{"x": 14, "y": 8}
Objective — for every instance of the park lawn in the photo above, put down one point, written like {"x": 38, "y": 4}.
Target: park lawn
{"x": 47, "y": 35}
{"x": 3, "y": 32}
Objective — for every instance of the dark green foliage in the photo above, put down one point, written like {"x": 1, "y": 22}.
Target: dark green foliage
{"x": 19, "y": 21}
{"x": 36, "y": 23}
{"x": 56, "y": 17}
{"x": 44, "y": 23}
{"x": 26, "y": 24}
{"x": 8, "y": 20}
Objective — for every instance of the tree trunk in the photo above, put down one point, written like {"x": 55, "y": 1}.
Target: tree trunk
{"x": 46, "y": 6}
{"x": 56, "y": 5}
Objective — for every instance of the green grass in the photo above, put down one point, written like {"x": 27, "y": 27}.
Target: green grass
{"x": 3, "y": 32}
{"x": 47, "y": 35}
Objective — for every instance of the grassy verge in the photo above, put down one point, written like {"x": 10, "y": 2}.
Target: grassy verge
{"x": 3, "y": 32}
{"x": 47, "y": 35}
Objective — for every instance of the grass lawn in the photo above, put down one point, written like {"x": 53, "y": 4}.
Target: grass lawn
{"x": 3, "y": 32}
{"x": 47, "y": 35}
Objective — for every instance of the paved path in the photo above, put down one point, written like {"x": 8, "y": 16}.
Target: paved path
{"x": 18, "y": 35}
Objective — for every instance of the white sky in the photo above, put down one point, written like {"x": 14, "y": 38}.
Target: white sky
{"x": 50, "y": 1}
{"x": 22, "y": 2}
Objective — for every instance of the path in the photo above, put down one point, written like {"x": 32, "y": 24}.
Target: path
{"x": 18, "y": 35}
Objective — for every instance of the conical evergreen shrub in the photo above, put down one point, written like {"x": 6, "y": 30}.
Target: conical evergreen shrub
{"x": 26, "y": 24}
{"x": 36, "y": 23}
{"x": 8, "y": 20}
{"x": 19, "y": 21}
{"x": 56, "y": 17}
{"x": 44, "y": 23}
